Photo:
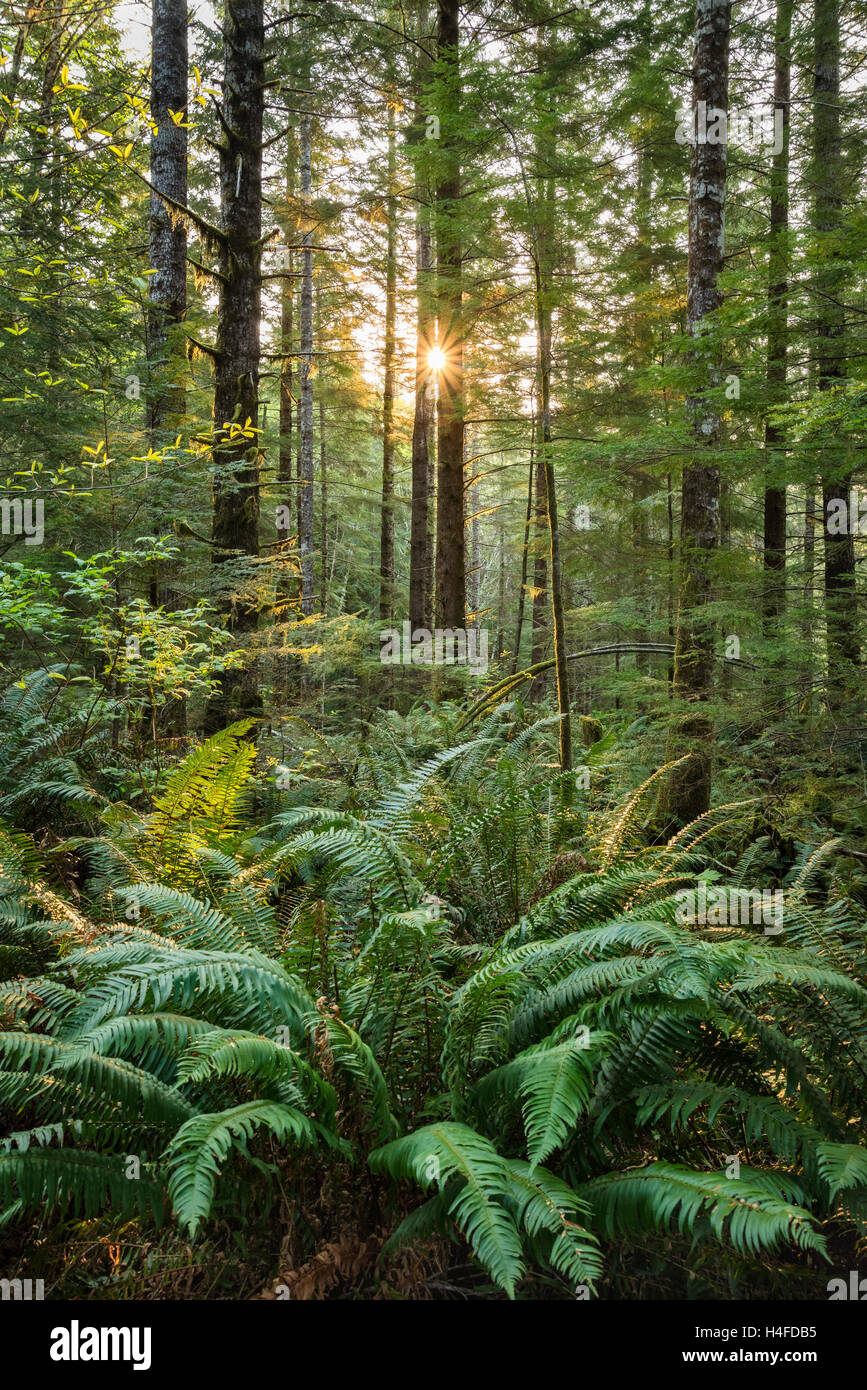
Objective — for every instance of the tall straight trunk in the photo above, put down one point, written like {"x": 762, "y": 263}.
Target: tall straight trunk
{"x": 542, "y": 211}
{"x": 474, "y": 573}
{"x": 840, "y": 595}
{"x": 811, "y": 521}
{"x": 476, "y": 558}
{"x": 167, "y": 288}
{"x": 323, "y": 494}
{"x": 690, "y": 786}
{"x": 432, "y": 511}
{"x": 525, "y": 551}
{"x": 541, "y": 626}
{"x": 423, "y": 439}
{"x": 288, "y": 494}
{"x": 501, "y": 582}
{"x": 386, "y": 534}
{"x": 305, "y": 452}
{"x": 236, "y": 388}
{"x": 421, "y": 508}
{"x": 541, "y": 542}
{"x": 289, "y": 503}
{"x": 450, "y": 563}
{"x": 671, "y": 574}
{"x": 774, "y": 539}
{"x": 561, "y": 669}
{"x": 643, "y": 486}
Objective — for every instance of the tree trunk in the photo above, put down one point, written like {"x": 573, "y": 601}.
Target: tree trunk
{"x": 323, "y": 493}
{"x": 167, "y": 289}
{"x": 421, "y": 528}
{"x": 236, "y": 454}
{"x": 543, "y": 318}
{"x": 450, "y": 575}
{"x": 812, "y": 520}
{"x": 690, "y": 786}
{"x": 421, "y": 519}
{"x": 288, "y": 494}
{"x": 525, "y": 551}
{"x": 840, "y": 595}
{"x": 386, "y": 535}
{"x": 543, "y": 215}
{"x": 501, "y": 580}
{"x": 431, "y": 522}
{"x": 774, "y": 540}
{"x": 540, "y": 563}
{"x": 305, "y": 453}
{"x": 474, "y": 574}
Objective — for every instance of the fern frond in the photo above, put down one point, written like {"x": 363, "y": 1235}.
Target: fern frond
{"x": 475, "y": 1178}
{"x": 663, "y": 1194}
{"x": 201, "y": 1145}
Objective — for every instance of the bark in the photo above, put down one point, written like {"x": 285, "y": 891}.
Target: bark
{"x": 501, "y": 581}
{"x": 423, "y": 482}
{"x": 541, "y": 629}
{"x": 287, "y": 492}
{"x": 690, "y": 785}
{"x": 288, "y": 495}
{"x": 432, "y": 511}
{"x": 474, "y": 574}
{"x": 236, "y": 458}
{"x": 840, "y": 594}
{"x": 305, "y": 452}
{"x": 167, "y": 288}
{"x": 811, "y": 521}
{"x": 774, "y": 537}
{"x": 323, "y": 493}
{"x": 386, "y": 537}
{"x": 555, "y": 572}
{"x": 525, "y": 551}
{"x": 543, "y": 218}
{"x": 643, "y": 486}
{"x": 450, "y": 572}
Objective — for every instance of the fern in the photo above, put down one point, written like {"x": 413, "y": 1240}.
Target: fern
{"x": 203, "y": 1143}
{"x": 473, "y": 1179}
{"x": 738, "y": 1209}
